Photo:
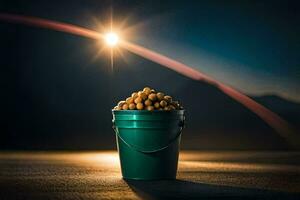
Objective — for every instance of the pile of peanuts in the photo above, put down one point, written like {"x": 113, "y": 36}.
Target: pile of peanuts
{"x": 150, "y": 100}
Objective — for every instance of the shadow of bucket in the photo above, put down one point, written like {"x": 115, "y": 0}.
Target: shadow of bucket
{"x": 148, "y": 142}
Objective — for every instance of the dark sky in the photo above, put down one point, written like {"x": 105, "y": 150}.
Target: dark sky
{"x": 56, "y": 86}
{"x": 251, "y": 45}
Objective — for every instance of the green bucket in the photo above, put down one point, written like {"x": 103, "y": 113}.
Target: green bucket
{"x": 148, "y": 142}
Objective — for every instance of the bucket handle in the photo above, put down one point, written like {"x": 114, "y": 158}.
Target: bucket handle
{"x": 181, "y": 124}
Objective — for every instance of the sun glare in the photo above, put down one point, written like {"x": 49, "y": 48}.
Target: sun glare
{"x": 112, "y": 39}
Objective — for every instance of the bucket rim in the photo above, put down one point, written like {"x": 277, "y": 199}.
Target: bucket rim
{"x": 147, "y": 111}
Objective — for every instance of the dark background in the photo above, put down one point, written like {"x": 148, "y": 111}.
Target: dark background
{"x": 57, "y": 91}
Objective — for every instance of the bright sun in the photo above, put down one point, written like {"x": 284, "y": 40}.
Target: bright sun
{"x": 111, "y": 39}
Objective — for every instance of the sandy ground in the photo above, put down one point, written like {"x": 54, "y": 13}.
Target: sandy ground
{"x": 201, "y": 175}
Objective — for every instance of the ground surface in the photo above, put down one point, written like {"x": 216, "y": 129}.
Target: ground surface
{"x": 202, "y": 175}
